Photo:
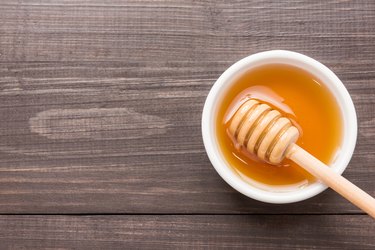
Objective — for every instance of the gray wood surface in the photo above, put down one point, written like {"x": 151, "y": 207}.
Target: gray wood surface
{"x": 188, "y": 232}
{"x": 100, "y": 106}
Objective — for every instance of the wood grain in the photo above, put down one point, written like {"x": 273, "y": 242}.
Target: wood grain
{"x": 74, "y": 75}
{"x": 187, "y": 232}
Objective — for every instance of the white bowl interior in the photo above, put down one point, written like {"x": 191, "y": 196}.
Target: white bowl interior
{"x": 225, "y": 82}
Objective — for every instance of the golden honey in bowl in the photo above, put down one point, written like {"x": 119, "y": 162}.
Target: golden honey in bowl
{"x": 299, "y": 96}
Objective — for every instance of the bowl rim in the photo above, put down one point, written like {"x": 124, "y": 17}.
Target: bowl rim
{"x": 330, "y": 80}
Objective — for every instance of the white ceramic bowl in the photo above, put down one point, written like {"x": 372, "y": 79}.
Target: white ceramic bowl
{"x": 219, "y": 90}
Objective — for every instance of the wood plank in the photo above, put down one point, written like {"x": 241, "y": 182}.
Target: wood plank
{"x": 161, "y": 31}
{"x": 186, "y": 232}
{"x": 101, "y": 101}
{"x": 89, "y": 141}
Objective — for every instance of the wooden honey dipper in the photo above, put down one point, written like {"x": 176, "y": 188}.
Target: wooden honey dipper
{"x": 264, "y": 132}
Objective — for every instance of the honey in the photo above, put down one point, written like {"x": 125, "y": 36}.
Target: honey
{"x": 299, "y": 96}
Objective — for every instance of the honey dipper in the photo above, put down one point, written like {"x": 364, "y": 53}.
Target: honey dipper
{"x": 264, "y": 132}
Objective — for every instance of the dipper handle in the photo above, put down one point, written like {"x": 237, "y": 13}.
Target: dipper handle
{"x": 335, "y": 181}
{"x": 264, "y": 132}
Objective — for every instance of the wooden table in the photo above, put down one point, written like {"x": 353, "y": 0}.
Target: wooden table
{"x": 100, "y": 106}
